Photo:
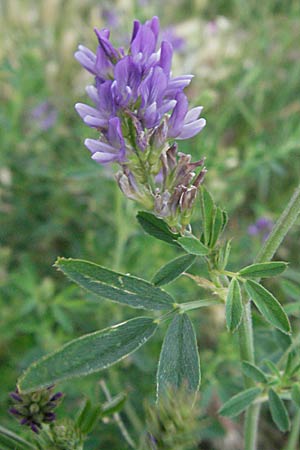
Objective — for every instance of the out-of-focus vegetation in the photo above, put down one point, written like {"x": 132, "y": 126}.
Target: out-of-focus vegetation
{"x": 55, "y": 201}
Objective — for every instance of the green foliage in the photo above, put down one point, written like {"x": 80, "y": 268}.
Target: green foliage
{"x": 156, "y": 227}
{"x": 55, "y": 201}
{"x": 11, "y": 441}
{"x": 174, "y": 423}
{"x": 268, "y": 305}
{"x": 172, "y": 270}
{"x": 263, "y": 270}
{"x": 118, "y": 287}
{"x": 88, "y": 354}
{"x": 234, "y": 306}
{"x": 207, "y": 210}
{"x": 193, "y": 246}
{"x": 296, "y": 394}
{"x": 254, "y": 372}
{"x": 63, "y": 435}
{"x": 239, "y": 402}
{"x": 179, "y": 363}
{"x": 278, "y": 411}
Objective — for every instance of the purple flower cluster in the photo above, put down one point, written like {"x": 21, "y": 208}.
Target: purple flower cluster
{"x": 35, "y": 408}
{"x": 137, "y": 85}
{"x": 139, "y": 110}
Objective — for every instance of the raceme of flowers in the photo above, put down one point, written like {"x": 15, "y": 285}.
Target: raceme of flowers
{"x": 36, "y": 408}
{"x": 139, "y": 110}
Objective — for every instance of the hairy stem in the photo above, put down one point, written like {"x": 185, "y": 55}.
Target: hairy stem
{"x": 247, "y": 354}
{"x": 117, "y": 417}
{"x": 294, "y": 435}
{"x": 280, "y": 230}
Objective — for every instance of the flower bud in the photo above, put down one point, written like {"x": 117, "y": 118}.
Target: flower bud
{"x": 35, "y": 408}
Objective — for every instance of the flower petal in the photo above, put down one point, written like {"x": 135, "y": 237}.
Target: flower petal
{"x": 95, "y": 146}
{"x": 191, "y": 129}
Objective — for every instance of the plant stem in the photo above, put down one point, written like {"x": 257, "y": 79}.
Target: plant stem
{"x": 247, "y": 354}
{"x": 121, "y": 231}
{"x": 246, "y": 341}
{"x": 281, "y": 228}
{"x": 294, "y": 435}
{"x": 117, "y": 417}
{"x": 199, "y": 304}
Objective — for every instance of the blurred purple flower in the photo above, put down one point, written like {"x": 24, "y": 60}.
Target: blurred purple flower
{"x": 110, "y": 16}
{"x": 262, "y": 227}
{"x": 44, "y": 115}
{"x": 177, "y": 42}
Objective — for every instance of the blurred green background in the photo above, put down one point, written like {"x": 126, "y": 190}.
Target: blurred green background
{"x": 55, "y": 201}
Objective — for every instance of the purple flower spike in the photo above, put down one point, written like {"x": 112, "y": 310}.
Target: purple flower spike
{"x": 35, "y": 408}
{"x": 137, "y": 108}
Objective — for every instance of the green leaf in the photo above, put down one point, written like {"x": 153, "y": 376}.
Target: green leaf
{"x": 11, "y": 441}
{"x": 156, "y": 227}
{"x": 234, "y": 306}
{"x": 126, "y": 289}
{"x": 278, "y": 411}
{"x": 88, "y": 354}
{"x": 290, "y": 362}
{"x": 224, "y": 219}
{"x": 114, "y": 405}
{"x": 173, "y": 270}
{"x": 207, "y": 211}
{"x": 291, "y": 289}
{"x": 179, "y": 359}
{"x": 88, "y": 417}
{"x": 296, "y": 394}
{"x": 253, "y": 372}
{"x": 217, "y": 226}
{"x": 239, "y": 402}
{"x": 295, "y": 370}
{"x": 273, "y": 368}
{"x": 193, "y": 246}
{"x": 269, "y": 306}
{"x": 263, "y": 270}
{"x": 223, "y": 255}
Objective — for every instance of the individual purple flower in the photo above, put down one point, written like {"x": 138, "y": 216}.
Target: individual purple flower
{"x": 114, "y": 147}
{"x": 184, "y": 124}
{"x": 127, "y": 78}
{"x": 35, "y": 408}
